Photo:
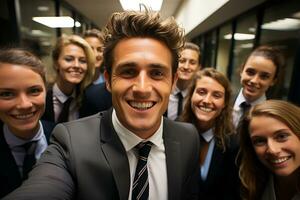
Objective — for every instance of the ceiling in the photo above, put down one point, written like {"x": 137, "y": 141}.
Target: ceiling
{"x": 100, "y": 10}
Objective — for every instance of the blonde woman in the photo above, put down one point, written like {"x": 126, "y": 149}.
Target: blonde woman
{"x": 73, "y": 61}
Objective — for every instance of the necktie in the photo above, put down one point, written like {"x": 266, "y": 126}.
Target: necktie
{"x": 179, "y": 106}
{"x": 245, "y": 108}
{"x": 29, "y": 159}
{"x": 140, "y": 187}
{"x": 64, "y": 114}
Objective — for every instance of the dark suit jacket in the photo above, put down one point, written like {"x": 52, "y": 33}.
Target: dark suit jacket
{"x": 10, "y": 177}
{"x": 96, "y": 99}
{"x": 222, "y": 180}
{"x": 88, "y": 161}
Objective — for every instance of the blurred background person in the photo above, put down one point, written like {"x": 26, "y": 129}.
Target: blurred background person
{"x": 95, "y": 39}
{"x": 23, "y": 136}
{"x": 96, "y": 97}
{"x": 208, "y": 107}
{"x": 270, "y": 152}
{"x": 260, "y": 71}
{"x": 73, "y": 61}
{"x": 188, "y": 65}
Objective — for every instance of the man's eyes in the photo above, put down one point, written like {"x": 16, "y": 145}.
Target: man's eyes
{"x": 157, "y": 74}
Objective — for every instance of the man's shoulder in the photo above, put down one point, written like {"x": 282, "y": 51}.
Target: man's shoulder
{"x": 181, "y": 129}
{"x": 83, "y": 127}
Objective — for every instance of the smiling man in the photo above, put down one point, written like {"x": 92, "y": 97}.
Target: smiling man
{"x": 188, "y": 65}
{"x": 129, "y": 151}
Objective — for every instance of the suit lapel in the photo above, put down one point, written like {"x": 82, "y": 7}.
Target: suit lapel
{"x": 115, "y": 154}
{"x": 9, "y": 172}
{"x": 172, "y": 148}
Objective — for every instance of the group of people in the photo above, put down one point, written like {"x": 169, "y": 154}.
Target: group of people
{"x": 167, "y": 129}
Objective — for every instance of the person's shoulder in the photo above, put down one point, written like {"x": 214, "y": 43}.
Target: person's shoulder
{"x": 180, "y": 128}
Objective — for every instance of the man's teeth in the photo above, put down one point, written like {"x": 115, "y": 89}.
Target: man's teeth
{"x": 141, "y": 105}
{"x": 205, "y": 109}
{"x": 279, "y": 160}
{"x": 24, "y": 116}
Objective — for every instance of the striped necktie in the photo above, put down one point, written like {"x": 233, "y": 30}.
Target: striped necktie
{"x": 140, "y": 187}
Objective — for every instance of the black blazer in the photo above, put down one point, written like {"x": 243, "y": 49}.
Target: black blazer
{"x": 87, "y": 160}
{"x": 10, "y": 177}
{"x": 96, "y": 99}
{"x": 222, "y": 179}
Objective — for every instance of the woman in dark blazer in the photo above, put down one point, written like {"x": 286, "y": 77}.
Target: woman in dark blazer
{"x": 73, "y": 62}
{"x": 208, "y": 108}
{"x": 23, "y": 136}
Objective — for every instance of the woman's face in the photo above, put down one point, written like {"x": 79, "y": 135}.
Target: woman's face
{"x": 208, "y": 101}
{"x": 71, "y": 64}
{"x": 276, "y": 146}
{"x": 257, "y": 76}
{"x": 22, "y": 99}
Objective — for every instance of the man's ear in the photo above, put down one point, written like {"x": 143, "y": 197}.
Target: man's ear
{"x": 107, "y": 80}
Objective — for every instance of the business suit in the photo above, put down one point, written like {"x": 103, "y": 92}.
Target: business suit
{"x": 222, "y": 181}
{"x": 10, "y": 177}
{"x": 96, "y": 99}
{"x": 96, "y": 165}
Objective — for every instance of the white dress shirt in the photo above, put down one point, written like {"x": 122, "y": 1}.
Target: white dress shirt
{"x": 173, "y": 103}
{"x": 157, "y": 168}
{"x": 15, "y": 144}
{"x": 59, "y": 98}
{"x": 208, "y": 136}
{"x": 238, "y": 111}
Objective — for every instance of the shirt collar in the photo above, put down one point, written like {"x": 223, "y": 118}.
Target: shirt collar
{"x": 129, "y": 139}
{"x": 60, "y": 95}
{"x": 183, "y": 92}
{"x": 14, "y": 141}
{"x": 208, "y": 135}
{"x": 240, "y": 99}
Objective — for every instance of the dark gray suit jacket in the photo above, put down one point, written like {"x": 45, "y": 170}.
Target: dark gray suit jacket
{"x": 87, "y": 160}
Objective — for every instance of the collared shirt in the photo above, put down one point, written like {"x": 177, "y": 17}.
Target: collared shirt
{"x": 238, "y": 111}
{"x": 157, "y": 168}
{"x": 208, "y": 136}
{"x": 15, "y": 144}
{"x": 99, "y": 80}
{"x": 59, "y": 98}
{"x": 173, "y": 103}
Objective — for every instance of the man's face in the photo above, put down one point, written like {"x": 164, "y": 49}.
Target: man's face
{"x": 188, "y": 64}
{"x": 140, "y": 83}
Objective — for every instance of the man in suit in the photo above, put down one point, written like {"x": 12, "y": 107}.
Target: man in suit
{"x": 96, "y": 98}
{"x": 188, "y": 65}
{"x": 129, "y": 151}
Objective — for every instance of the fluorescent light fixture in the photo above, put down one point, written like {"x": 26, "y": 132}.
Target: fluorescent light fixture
{"x": 286, "y": 24}
{"x": 43, "y": 8}
{"x": 246, "y": 46}
{"x": 137, "y": 4}
{"x": 57, "y": 22}
{"x": 240, "y": 36}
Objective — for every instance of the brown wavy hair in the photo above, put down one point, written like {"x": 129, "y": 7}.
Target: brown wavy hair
{"x": 223, "y": 126}
{"x": 253, "y": 174}
{"x": 143, "y": 24}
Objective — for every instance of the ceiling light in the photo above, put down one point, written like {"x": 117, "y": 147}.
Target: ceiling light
{"x": 56, "y": 22}
{"x": 137, "y": 4}
{"x": 240, "y": 36}
{"x": 43, "y": 8}
{"x": 285, "y": 24}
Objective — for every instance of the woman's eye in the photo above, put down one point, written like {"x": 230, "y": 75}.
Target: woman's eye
{"x": 35, "y": 91}
{"x": 258, "y": 142}
{"x": 6, "y": 94}
{"x": 281, "y": 137}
